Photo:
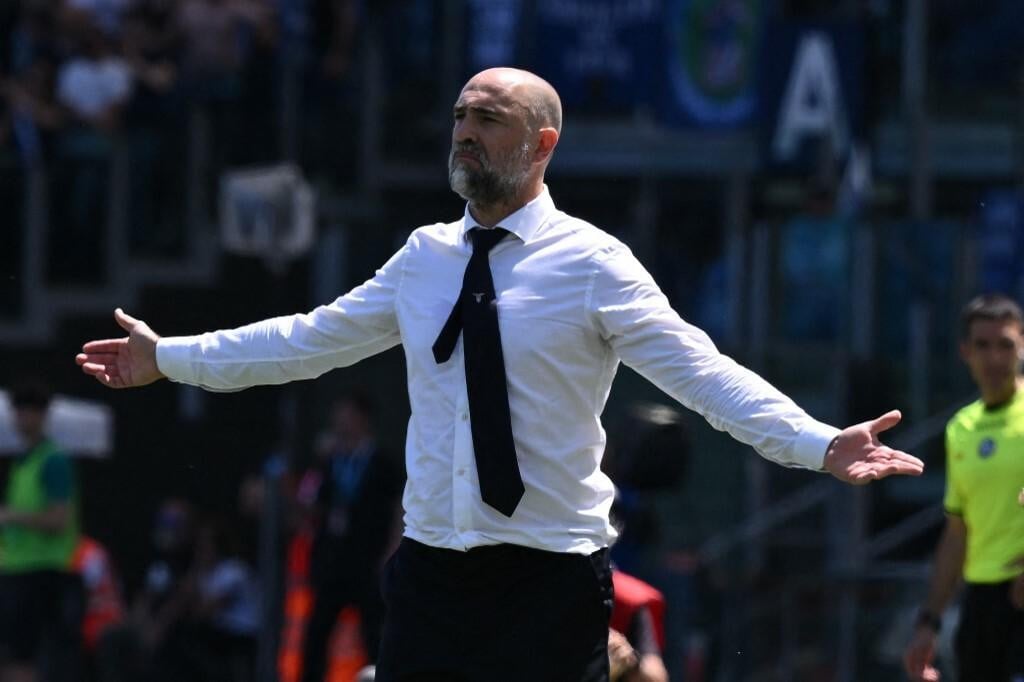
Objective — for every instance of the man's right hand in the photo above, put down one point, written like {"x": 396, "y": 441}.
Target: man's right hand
{"x": 917, "y": 659}
{"x": 126, "y": 362}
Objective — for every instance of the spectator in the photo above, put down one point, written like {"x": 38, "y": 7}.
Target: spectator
{"x": 40, "y": 598}
{"x": 356, "y": 511}
{"x": 159, "y": 609}
{"x": 152, "y": 39}
{"x": 156, "y": 126}
{"x": 32, "y": 113}
{"x": 95, "y": 84}
{"x": 224, "y": 606}
{"x": 104, "y": 618}
{"x": 213, "y": 34}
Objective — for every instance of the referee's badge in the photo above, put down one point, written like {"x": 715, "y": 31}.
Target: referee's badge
{"x": 986, "y": 448}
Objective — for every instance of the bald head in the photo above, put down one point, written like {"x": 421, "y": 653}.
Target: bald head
{"x": 505, "y": 129}
{"x": 527, "y": 90}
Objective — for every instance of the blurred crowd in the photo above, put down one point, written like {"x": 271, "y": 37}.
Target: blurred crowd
{"x": 206, "y": 595}
{"x": 106, "y": 65}
{"x": 87, "y": 86}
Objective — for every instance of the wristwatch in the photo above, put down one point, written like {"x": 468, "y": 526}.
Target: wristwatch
{"x": 929, "y": 620}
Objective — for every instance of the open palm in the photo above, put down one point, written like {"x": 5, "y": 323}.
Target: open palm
{"x": 125, "y": 362}
{"x": 857, "y": 456}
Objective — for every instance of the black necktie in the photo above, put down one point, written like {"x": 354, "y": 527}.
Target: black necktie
{"x": 475, "y": 313}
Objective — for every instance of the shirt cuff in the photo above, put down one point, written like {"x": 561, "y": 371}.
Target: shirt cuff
{"x": 812, "y": 444}
{"x": 174, "y": 358}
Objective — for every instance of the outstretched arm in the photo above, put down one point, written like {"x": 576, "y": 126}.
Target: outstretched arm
{"x": 857, "y": 456}
{"x": 274, "y": 351}
{"x": 125, "y": 362}
{"x": 635, "y": 318}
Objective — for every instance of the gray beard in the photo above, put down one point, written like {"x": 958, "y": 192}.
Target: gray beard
{"x": 486, "y": 186}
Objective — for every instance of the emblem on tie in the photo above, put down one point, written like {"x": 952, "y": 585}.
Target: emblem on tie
{"x": 478, "y": 297}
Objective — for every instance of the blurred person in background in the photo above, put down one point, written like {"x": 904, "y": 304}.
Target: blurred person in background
{"x": 356, "y": 511}
{"x": 983, "y": 539}
{"x": 505, "y": 549}
{"x": 223, "y": 607}
{"x": 31, "y": 113}
{"x": 95, "y": 83}
{"x": 155, "y": 122}
{"x": 637, "y": 636}
{"x": 159, "y": 609}
{"x": 104, "y": 618}
{"x": 41, "y": 598}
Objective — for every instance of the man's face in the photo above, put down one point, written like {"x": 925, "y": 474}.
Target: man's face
{"x": 29, "y": 420}
{"x": 993, "y": 350}
{"x": 349, "y": 422}
{"x": 491, "y": 156}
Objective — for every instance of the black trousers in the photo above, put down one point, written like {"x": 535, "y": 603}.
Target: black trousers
{"x": 990, "y": 640}
{"x": 502, "y": 613}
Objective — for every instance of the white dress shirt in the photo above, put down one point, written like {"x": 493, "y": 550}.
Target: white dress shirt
{"x": 572, "y": 303}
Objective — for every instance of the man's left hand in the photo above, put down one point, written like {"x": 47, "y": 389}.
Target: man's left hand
{"x": 857, "y": 456}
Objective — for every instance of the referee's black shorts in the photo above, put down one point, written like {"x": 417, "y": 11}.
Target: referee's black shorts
{"x": 990, "y": 640}
{"x": 502, "y": 613}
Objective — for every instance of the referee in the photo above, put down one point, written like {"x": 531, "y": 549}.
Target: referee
{"x": 983, "y": 541}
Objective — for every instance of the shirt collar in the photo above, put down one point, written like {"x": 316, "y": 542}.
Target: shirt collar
{"x": 524, "y": 223}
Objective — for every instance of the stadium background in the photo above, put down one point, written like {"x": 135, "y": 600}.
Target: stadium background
{"x": 834, "y": 264}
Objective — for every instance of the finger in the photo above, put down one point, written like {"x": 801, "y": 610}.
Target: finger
{"x": 880, "y": 470}
{"x": 885, "y": 422}
{"x": 896, "y": 465}
{"x": 104, "y": 345}
{"x": 102, "y": 377}
{"x": 126, "y": 321}
{"x": 97, "y": 358}
{"x": 94, "y": 367}
{"x": 906, "y": 458}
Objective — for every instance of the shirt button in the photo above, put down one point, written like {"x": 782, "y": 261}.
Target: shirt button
{"x": 462, "y": 529}
{"x": 465, "y": 416}
{"x": 461, "y": 472}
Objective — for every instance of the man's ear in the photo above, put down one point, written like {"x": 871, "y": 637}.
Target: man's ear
{"x": 547, "y": 138}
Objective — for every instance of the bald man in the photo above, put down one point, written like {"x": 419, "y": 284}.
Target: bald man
{"x": 513, "y": 320}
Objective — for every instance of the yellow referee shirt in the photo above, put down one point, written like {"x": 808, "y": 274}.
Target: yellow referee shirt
{"x": 984, "y": 474}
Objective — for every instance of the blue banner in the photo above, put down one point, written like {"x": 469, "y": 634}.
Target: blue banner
{"x": 811, "y": 89}
{"x": 601, "y": 55}
{"x": 709, "y": 66}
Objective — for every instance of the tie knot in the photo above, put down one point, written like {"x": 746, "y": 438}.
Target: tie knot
{"x": 486, "y": 239}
